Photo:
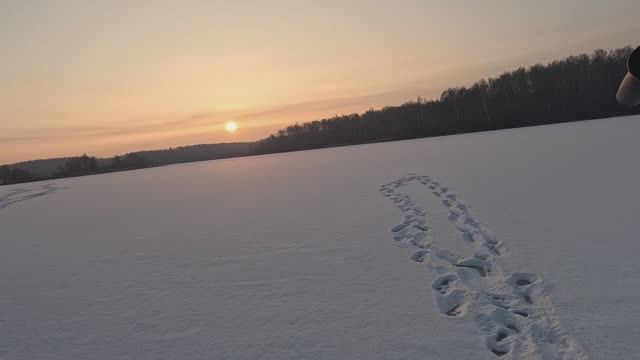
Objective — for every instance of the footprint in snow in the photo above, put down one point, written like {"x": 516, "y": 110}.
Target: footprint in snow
{"x": 510, "y": 311}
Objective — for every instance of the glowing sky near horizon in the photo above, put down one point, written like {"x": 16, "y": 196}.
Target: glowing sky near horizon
{"x": 107, "y": 77}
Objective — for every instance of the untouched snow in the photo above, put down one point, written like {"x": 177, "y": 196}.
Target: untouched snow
{"x": 423, "y": 249}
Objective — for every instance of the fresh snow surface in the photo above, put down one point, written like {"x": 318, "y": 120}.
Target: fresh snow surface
{"x": 516, "y": 244}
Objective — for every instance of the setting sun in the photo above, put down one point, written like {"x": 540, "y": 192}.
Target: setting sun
{"x": 231, "y": 126}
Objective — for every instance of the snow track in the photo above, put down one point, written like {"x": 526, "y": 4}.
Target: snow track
{"x": 512, "y": 311}
{"x": 20, "y": 195}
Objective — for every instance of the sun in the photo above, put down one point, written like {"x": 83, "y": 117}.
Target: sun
{"x": 231, "y": 126}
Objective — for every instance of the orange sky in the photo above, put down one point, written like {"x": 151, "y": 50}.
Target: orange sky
{"x": 118, "y": 76}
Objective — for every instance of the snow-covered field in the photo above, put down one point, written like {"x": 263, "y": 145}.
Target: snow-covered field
{"x": 515, "y": 244}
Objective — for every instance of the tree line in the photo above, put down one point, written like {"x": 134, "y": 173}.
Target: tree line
{"x": 89, "y": 165}
{"x": 576, "y": 88}
{"x": 15, "y": 175}
{"x": 75, "y": 166}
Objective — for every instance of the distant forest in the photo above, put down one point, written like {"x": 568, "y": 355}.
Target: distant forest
{"x": 579, "y": 87}
{"x": 576, "y": 88}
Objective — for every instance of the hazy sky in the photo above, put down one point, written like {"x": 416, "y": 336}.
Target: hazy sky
{"x": 106, "y": 77}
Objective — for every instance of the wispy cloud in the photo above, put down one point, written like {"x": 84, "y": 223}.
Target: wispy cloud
{"x": 133, "y": 128}
{"x": 301, "y": 111}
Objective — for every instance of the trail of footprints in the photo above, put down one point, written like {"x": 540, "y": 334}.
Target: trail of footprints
{"x": 511, "y": 311}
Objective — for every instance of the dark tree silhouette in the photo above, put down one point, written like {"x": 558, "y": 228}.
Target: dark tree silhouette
{"x": 77, "y": 166}
{"x": 88, "y": 165}
{"x": 577, "y": 88}
{"x": 15, "y": 175}
{"x": 5, "y": 171}
{"x": 128, "y": 161}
